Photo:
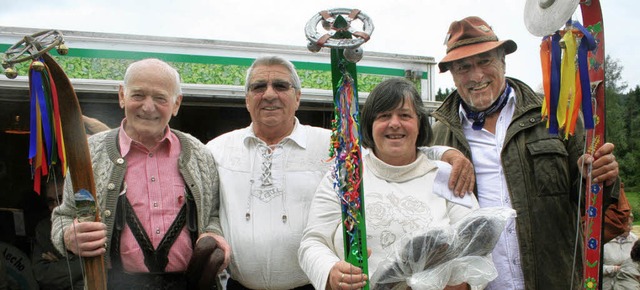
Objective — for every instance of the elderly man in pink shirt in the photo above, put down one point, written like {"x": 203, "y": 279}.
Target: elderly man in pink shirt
{"x": 157, "y": 191}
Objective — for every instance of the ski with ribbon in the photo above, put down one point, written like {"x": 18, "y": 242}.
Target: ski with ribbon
{"x": 573, "y": 78}
{"x": 57, "y": 131}
{"x": 592, "y": 19}
{"x": 344, "y": 43}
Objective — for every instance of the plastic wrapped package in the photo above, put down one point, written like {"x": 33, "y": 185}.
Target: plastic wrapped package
{"x": 436, "y": 257}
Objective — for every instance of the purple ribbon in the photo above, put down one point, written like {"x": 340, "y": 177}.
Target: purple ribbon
{"x": 38, "y": 93}
{"x": 588, "y": 43}
{"x": 556, "y": 53}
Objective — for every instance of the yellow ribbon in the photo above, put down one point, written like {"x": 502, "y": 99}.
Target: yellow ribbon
{"x": 568, "y": 81}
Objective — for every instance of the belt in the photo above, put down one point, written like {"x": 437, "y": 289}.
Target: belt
{"x": 143, "y": 281}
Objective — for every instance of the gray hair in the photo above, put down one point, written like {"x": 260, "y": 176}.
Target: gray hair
{"x": 270, "y": 60}
{"x": 162, "y": 65}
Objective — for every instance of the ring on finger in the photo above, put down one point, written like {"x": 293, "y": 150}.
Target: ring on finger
{"x": 341, "y": 276}
{"x": 340, "y": 285}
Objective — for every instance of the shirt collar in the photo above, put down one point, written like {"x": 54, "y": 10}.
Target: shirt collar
{"x": 126, "y": 142}
{"x": 298, "y": 135}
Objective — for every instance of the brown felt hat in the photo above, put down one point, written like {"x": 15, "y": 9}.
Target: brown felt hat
{"x": 471, "y": 36}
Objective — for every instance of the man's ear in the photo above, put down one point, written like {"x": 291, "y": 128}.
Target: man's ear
{"x": 177, "y": 107}
{"x": 121, "y": 96}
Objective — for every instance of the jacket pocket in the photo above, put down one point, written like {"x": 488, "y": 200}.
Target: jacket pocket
{"x": 550, "y": 166}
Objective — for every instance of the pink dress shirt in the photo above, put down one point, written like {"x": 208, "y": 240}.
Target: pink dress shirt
{"x": 156, "y": 191}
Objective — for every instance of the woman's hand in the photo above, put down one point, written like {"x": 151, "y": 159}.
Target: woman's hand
{"x": 346, "y": 276}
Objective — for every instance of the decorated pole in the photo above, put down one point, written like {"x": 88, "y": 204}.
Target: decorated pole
{"x": 586, "y": 82}
{"x": 592, "y": 20}
{"x": 57, "y": 131}
{"x": 344, "y": 42}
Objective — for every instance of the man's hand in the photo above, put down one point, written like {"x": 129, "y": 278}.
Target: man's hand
{"x": 49, "y": 257}
{"x": 86, "y": 239}
{"x": 463, "y": 178}
{"x": 604, "y": 167}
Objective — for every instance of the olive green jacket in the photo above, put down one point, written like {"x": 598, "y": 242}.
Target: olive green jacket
{"x": 543, "y": 181}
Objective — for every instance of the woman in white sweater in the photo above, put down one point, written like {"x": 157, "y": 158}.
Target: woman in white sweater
{"x": 403, "y": 190}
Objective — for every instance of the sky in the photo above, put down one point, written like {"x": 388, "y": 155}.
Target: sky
{"x": 408, "y": 27}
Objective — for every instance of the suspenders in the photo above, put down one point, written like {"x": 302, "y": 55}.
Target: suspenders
{"x": 155, "y": 259}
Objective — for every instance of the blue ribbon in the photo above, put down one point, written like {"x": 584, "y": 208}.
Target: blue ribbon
{"x": 556, "y": 53}
{"x": 33, "y": 124}
{"x": 588, "y": 43}
{"x": 38, "y": 93}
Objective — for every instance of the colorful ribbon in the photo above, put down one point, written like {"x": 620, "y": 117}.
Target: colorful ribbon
{"x": 566, "y": 81}
{"x": 46, "y": 145}
{"x": 347, "y": 171}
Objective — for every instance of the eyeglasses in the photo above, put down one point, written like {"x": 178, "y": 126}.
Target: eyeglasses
{"x": 278, "y": 86}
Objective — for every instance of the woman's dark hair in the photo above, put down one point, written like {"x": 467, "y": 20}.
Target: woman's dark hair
{"x": 389, "y": 95}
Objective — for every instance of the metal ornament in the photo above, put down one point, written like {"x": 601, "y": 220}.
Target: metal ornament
{"x": 337, "y": 23}
{"x": 31, "y": 47}
{"x": 62, "y": 49}
{"x": 10, "y": 72}
{"x": 353, "y": 54}
{"x": 37, "y": 65}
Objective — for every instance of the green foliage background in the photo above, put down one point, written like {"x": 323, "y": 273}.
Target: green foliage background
{"x": 194, "y": 73}
{"x": 634, "y": 201}
{"x": 623, "y": 124}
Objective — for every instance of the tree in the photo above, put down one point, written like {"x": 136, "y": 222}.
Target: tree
{"x": 623, "y": 123}
{"x": 440, "y": 96}
{"x": 630, "y": 154}
{"x": 615, "y": 127}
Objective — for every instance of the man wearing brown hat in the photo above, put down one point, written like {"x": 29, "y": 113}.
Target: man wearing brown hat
{"x": 496, "y": 122}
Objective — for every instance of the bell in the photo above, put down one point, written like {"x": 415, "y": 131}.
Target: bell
{"x": 37, "y": 65}
{"x": 10, "y": 72}
{"x": 353, "y": 54}
{"x": 62, "y": 49}
{"x": 313, "y": 47}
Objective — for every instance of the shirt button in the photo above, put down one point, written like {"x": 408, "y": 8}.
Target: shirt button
{"x": 107, "y": 213}
{"x": 155, "y": 204}
{"x": 153, "y": 179}
{"x": 532, "y": 120}
{"x": 150, "y": 154}
{"x": 120, "y": 161}
{"x": 157, "y": 231}
{"x": 111, "y": 186}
